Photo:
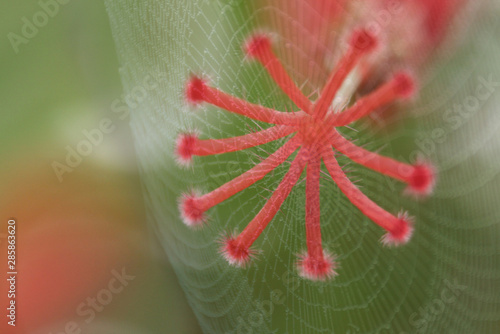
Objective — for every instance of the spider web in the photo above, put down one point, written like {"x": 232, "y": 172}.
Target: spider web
{"x": 446, "y": 280}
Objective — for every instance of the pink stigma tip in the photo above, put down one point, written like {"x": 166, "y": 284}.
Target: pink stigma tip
{"x": 319, "y": 269}
{"x": 401, "y": 234}
{"x": 234, "y": 253}
{"x": 256, "y": 43}
{"x": 363, "y": 40}
{"x": 185, "y": 145}
{"x": 195, "y": 88}
{"x": 423, "y": 179}
{"x": 404, "y": 84}
{"x": 192, "y": 214}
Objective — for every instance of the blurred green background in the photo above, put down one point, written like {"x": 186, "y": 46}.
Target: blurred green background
{"x": 76, "y": 230}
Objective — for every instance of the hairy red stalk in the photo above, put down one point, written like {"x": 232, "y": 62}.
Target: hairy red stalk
{"x": 313, "y": 230}
{"x": 315, "y": 264}
{"x": 401, "y": 86}
{"x": 361, "y": 43}
{"x": 399, "y": 228}
{"x": 193, "y": 207}
{"x": 419, "y": 177}
{"x": 188, "y": 144}
{"x": 259, "y": 47}
{"x": 235, "y": 250}
{"x": 198, "y": 91}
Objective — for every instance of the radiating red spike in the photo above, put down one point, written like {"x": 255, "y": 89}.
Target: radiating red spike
{"x": 420, "y": 177}
{"x": 193, "y": 207}
{"x": 198, "y": 91}
{"x": 259, "y": 47}
{"x": 188, "y": 144}
{"x": 361, "y": 43}
{"x": 316, "y": 264}
{"x": 401, "y": 86}
{"x": 237, "y": 250}
{"x": 399, "y": 228}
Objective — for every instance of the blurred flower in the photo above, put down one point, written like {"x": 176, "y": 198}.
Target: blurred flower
{"x": 316, "y": 137}
{"x": 409, "y": 31}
